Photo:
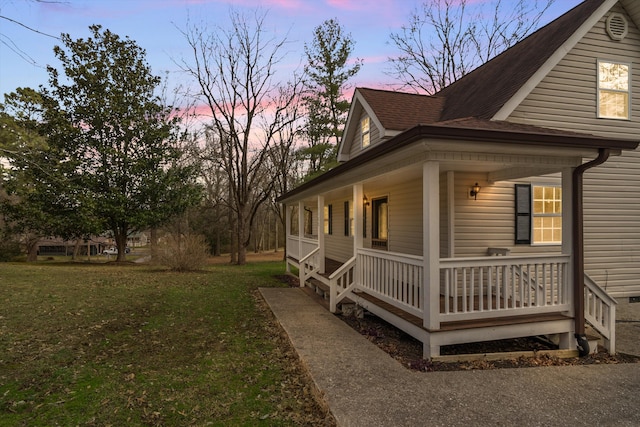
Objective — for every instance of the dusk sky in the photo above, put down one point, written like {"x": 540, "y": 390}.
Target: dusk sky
{"x": 154, "y": 24}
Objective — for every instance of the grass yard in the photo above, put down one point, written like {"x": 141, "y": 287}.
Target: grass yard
{"x": 102, "y": 344}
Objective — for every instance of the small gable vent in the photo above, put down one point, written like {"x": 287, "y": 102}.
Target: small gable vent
{"x": 617, "y": 26}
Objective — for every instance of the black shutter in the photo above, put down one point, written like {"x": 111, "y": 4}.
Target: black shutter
{"x": 347, "y": 225}
{"x": 523, "y": 213}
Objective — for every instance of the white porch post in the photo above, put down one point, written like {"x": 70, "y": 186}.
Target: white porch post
{"x": 357, "y": 217}
{"x": 287, "y": 231}
{"x": 451, "y": 214}
{"x": 321, "y": 267}
{"x": 566, "y": 340}
{"x": 300, "y": 236}
{"x": 431, "y": 252}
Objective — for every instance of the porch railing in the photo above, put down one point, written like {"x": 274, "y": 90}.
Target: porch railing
{"x": 309, "y": 264}
{"x": 600, "y": 312}
{"x": 293, "y": 246}
{"x": 470, "y": 288}
{"x": 341, "y": 282}
{"x": 474, "y": 288}
{"x": 394, "y": 278}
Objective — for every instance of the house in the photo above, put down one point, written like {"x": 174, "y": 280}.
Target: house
{"x": 60, "y": 247}
{"x": 503, "y": 206}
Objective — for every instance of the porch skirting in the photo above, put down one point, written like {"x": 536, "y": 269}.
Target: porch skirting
{"x": 461, "y": 332}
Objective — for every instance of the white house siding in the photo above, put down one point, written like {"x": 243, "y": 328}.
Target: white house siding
{"x": 566, "y": 97}
{"x": 356, "y": 143}
{"x": 612, "y": 224}
{"x": 612, "y": 210}
{"x": 489, "y": 221}
{"x": 405, "y": 215}
{"x": 338, "y": 246}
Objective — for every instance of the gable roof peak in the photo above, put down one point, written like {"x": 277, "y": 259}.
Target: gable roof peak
{"x": 485, "y": 90}
{"x": 398, "y": 111}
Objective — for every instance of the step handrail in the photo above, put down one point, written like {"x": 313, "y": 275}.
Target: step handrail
{"x": 303, "y": 266}
{"x": 600, "y": 312}
{"x": 334, "y": 296}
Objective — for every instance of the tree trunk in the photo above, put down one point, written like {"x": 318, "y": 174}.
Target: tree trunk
{"x": 76, "y": 250}
{"x": 121, "y": 245}
{"x": 218, "y": 240}
{"x": 154, "y": 243}
{"x": 32, "y": 252}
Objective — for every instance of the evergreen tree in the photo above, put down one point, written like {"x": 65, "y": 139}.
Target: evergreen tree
{"x": 328, "y": 72}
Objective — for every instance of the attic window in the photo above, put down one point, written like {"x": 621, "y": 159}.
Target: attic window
{"x": 616, "y": 26}
{"x": 613, "y": 90}
{"x": 364, "y": 129}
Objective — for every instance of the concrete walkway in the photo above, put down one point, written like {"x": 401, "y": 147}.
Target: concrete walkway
{"x": 365, "y": 387}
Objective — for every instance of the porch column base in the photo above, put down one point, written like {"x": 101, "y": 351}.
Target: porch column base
{"x": 429, "y": 349}
{"x": 567, "y": 341}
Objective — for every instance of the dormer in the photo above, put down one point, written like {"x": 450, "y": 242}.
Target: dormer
{"x": 378, "y": 115}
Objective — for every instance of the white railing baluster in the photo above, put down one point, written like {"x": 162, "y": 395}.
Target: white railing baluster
{"x": 471, "y": 287}
{"x": 503, "y": 285}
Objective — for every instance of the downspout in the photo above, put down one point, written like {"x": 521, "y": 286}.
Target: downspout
{"x": 578, "y": 249}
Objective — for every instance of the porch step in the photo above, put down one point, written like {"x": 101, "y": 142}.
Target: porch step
{"x": 320, "y": 292}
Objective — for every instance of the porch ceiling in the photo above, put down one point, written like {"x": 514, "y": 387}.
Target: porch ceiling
{"x": 406, "y": 165}
{"x": 498, "y": 153}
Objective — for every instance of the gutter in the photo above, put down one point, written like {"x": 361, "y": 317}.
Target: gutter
{"x": 578, "y": 248}
{"x": 543, "y": 137}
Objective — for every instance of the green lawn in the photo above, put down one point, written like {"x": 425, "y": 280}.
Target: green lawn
{"x": 101, "y": 344}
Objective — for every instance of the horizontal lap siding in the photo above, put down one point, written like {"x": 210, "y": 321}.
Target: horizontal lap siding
{"x": 356, "y": 144}
{"x": 405, "y": 217}
{"x": 566, "y": 99}
{"x": 612, "y": 224}
{"x": 338, "y": 246}
{"x": 489, "y": 221}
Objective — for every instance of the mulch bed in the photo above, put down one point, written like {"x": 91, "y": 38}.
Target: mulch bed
{"x": 408, "y": 351}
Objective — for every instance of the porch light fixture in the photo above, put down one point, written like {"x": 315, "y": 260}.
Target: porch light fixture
{"x": 365, "y": 201}
{"x": 474, "y": 191}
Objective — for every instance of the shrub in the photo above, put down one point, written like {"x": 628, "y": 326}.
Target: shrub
{"x": 9, "y": 250}
{"x": 183, "y": 252}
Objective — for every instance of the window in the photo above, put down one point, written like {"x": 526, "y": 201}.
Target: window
{"x": 547, "y": 214}
{"x": 379, "y": 222}
{"x": 364, "y": 129}
{"x": 538, "y": 214}
{"x": 613, "y": 90}
{"x": 328, "y": 219}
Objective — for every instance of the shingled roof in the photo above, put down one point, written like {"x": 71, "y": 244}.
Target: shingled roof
{"x": 401, "y": 111}
{"x": 485, "y": 90}
{"x": 481, "y": 93}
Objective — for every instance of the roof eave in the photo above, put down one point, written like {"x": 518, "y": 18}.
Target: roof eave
{"x": 422, "y": 132}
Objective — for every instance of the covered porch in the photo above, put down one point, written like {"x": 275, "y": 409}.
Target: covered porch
{"x": 431, "y": 277}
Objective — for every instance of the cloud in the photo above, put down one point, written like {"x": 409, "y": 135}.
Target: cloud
{"x": 279, "y": 4}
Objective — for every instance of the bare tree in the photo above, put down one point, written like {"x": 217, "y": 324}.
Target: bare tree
{"x": 446, "y": 39}
{"x": 235, "y": 71}
{"x": 12, "y": 45}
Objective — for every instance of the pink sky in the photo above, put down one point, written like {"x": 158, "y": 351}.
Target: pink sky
{"x": 152, "y": 24}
